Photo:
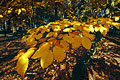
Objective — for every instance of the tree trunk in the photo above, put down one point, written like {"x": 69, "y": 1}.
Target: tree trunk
{"x": 56, "y": 12}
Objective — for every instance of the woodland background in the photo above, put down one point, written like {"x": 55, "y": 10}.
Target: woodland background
{"x": 17, "y": 17}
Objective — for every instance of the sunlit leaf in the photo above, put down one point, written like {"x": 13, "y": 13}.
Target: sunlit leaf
{"x": 102, "y": 29}
{"x": 38, "y": 36}
{"x": 9, "y": 11}
{"x": 20, "y": 53}
{"x": 64, "y": 44}
{"x": 19, "y": 11}
{"x": 86, "y": 42}
{"x": 55, "y": 35}
{"x": 89, "y": 29}
{"x": 67, "y": 30}
{"x": 29, "y": 52}
{"x": 1, "y": 16}
{"x": 116, "y": 18}
{"x": 96, "y": 29}
{"x": 86, "y": 34}
{"x": 77, "y": 42}
{"x": 22, "y": 65}
{"x": 23, "y": 9}
{"x": 50, "y": 34}
{"x": 69, "y": 39}
{"x": 30, "y": 41}
{"x": 58, "y": 53}
{"x": 41, "y": 51}
{"x": 46, "y": 58}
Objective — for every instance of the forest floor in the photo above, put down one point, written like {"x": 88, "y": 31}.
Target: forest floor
{"x": 103, "y": 65}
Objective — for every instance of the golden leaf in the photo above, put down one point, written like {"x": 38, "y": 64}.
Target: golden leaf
{"x": 58, "y": 53}
{"x": 22, "y": 65}
{"x": 19, "y": 11}
{"x": 38, "y": 36}
{"x": 9, "y": 11}
{"x": 29, "y": 52}
{"x": 64, "y": 44}
{"x": 23, "y": 9}
{"x": 50, "y": 34}
{"x": 116, "y": 18}
{"x": 69, "y": 39}
{"x": 102, "y": 29}
{"x": 86, "y": 42}
{"x": 55, "y": 35}
{"x": 90, "y": 29}
{"x": 30, "y": 41}
{"x": 20, "y": 53}
{"x": 46, "y": 58}
{"x": 87, "y": 34}
{"x": 41, "y": 51}
{"x": 67, "y": 30}
{"x": 1, "y": 16}
{"x": 96, "y": 29}
{"x": 77, "y": 42}
{"x": 71, "y": 34}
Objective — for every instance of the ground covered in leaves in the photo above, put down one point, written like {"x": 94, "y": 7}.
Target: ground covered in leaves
{"x": 104, "y": 64}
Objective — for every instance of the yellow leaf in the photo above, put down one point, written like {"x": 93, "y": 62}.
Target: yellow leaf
{"x": 58, "y": 53}
{"x": 86, "y": 34}
{"x": 22, "y": 65}
{"x": 86, "y": 42}
{"x": 38, "y": 36}
{"x": 64, "y": 44}
{"x": 21, "y": 52}
{"x": 9, "y": 11}
{"x": 46, "y": 58}
{"x": 77, "y": 42}
{"x": 29, "y": 52}
{"x": 56, "y": 27}
{"x": 102, "y": 29}
{"x": 116, "y": 18}
{"x": 1, "y": 16}
{"x": 23, "y": 9}
{"x": 96, "y": 29}
{"x": 50, "y": 34}
{"x": 71, "y": 34}
{"x": 55, "y": 35}
{"x": 19, "y": 11}
{"x": 69, "y": 39}
{"x": 42, "y": 49}
{"x": 67, "y": 30}
{"x": 30, "y": 41}
{"x": 90, "y": 29}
